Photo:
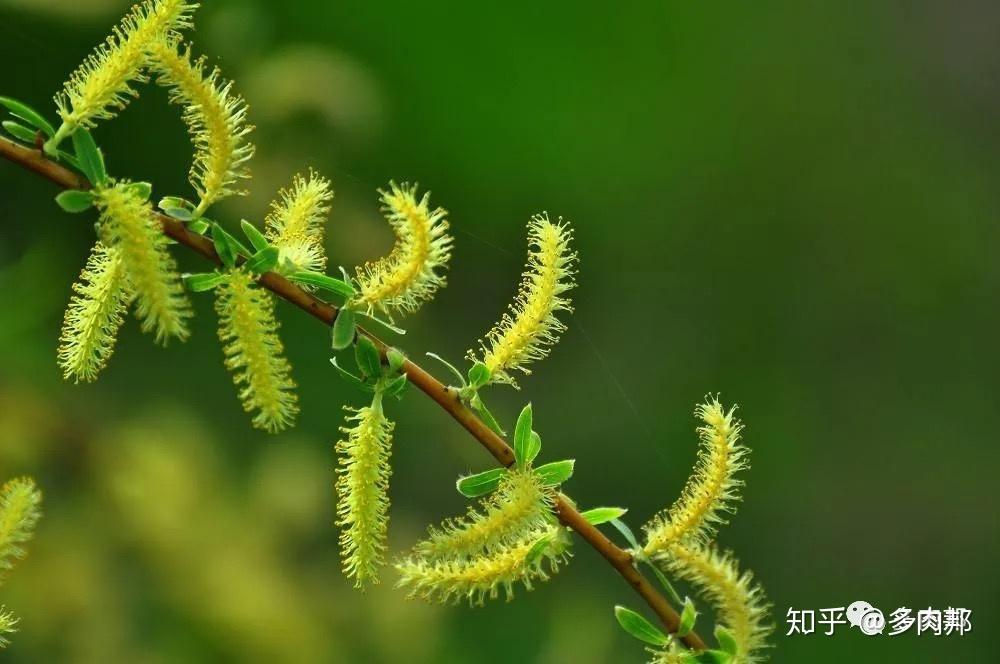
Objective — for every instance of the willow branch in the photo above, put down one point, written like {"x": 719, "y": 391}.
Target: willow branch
{"x": 447, "y": 398}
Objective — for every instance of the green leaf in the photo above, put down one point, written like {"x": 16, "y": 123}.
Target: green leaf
{"x": 726, "y": 640}
{"x": 688, "y": 617}
{"x": 255, "y": 237}
{"x": 627, "y": 533}
{"x": 598, "y": 515}
{"x": 74, "y": 200}
{"x": 379, "y": 324}
{"x": 640, "y": 628}
{"x": 478, "y": 405}
{"x": 310, "y": 278}
{"x": 706, "y": 657}
{"x": 480, "y": 484}
{"x": 263, "y": 261}
{"x": 396, "y": 386}
{"x": 557, "y": 472}
{"x": 141, "y": 189}
{"x": 522, "y": 436}
{"x": 90, "y": 157}
{"x": 664, "y": 581}
{"x": 223, "y": 246}
{"x": 479, "y": 375}
{"x": 168, "y": 202}
{"x": 344, "y": 327}
{"x": 20, "y": 132}
{"x": 534, "y": 447}
{"x": 205, "y": 281}
{"x": 28, "y": 114}
{"x": 395, "y": 359}
{"x": 538, "y": 549}
{"x": 199, "y": 226}
{"x": 180, "y": 214}
{"x": 351, "y": 378}
{"x": 450, "y": 366}
{"x": 367, "y": 357}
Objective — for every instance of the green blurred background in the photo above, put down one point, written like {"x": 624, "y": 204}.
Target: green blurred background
{"x": 793, "y": 204}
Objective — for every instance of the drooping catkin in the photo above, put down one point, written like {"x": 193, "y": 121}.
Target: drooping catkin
{"x": 411, "y": 273}
{"x": 253, "y": 351}
{"x": 295, "y": 223}
{"x": 216, "y": 118}
{"x": 362, "y": 489}
{"x": 94, "y": 315}
{"x": 129, "y": 225}
{"x": 479, "y": 577}
{"x": 520, "y": 504}
{"x": 740, "y": 604}
{"x": 527, "y": 333}
{"x": 102, "y": 84}
{"x": 712, "y": 490}
{"x": 20, "y": 509}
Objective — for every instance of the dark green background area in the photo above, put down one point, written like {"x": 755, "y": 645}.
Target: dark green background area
{"x": 792, "y": 204}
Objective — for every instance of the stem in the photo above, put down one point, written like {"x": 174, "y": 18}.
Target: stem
{"x": 447, "y": 398}
{"x": 52, "y": 145}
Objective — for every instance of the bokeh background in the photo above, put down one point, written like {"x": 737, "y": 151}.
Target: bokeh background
{"x": 793, "y": 204}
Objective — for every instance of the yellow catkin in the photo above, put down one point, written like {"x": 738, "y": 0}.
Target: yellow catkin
{"x": 410, "y": 274}
{"x": 102, "y": 84}
{"x": 295, "y": 223}
{"x": 129, "y": 224}
{"x": 215, "y": 117}
{"x": 20, "y": 509}
{"x": 530, "y": 329}
{"x": 712, "y": 490}
{"x": 254, "y": 353}
{"x": 520, "y": 504}
{"x": 362, "y": 489}
{"x": 739, "y": 603}
{"x": 8, "y": 625}
{"x": 484, "y": 576}
{"x": 94, "y": 315}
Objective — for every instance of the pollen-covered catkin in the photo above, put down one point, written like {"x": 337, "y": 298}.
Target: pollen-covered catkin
{"x": 411, "y": 273}
{"x": 480, "y": 577}
{"x": 102, "y": 85}
{"x": 129, "y": 224}
{"x": 530, "y": 329}
{"x": 712, "y": 489}
{"x": 295, "y": 223}
{"x": 215, "y": 117}
{"x": 520, "y": 504}
{"x": 94, "y": 315}
{"x": 20, "y": 509}
{"x": 8, "y": 625}
{"x": 362, "y": 489}
{"x": 739, "y": 603}
{"x": 254, "y": 353}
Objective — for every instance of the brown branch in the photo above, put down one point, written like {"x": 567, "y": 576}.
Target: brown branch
{"x": 445, "y": 397}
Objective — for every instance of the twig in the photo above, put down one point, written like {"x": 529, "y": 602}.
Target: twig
{"x": 445, "y": 397}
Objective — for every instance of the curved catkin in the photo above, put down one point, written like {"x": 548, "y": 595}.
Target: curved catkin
{"x": 94, "y": 315}
{"x": 295, "y": 223}
{"x": 712, "y": 489}
{"x": 129, "y": 224}
{"x": 8, "y": 625}
{"x": 20, "y": 509}
{"x": 362, "y": 489}
{"x": 739, "y": 603}
{"x": 410, "y": 274}
{"x": 215, "y": 117}
{"x": 476, "y": 578}
{"x": 254, "y": 353}
{"x": 530, "y": 329}
{"x": 102, "y": 84}
{"x": 520, "y": 504}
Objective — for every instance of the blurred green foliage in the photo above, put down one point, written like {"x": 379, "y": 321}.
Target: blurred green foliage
{"x": 791, "y": 203}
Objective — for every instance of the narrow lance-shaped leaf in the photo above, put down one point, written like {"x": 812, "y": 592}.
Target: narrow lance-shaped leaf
{"x": 639, "y": 627}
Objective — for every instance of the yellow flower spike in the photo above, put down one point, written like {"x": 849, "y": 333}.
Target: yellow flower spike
{"x": 295, "y": 223}
{"x": 739, "y": 603}
{"x": 527, "y": 333}
{"x": 94, "y": 315}
{"x": 480, "y": 577}
{"x": 362, "y": 489}
{"x": 409, "y": 275}
{"x": 254, "y": 353}
{"x": 521, "y": 503}
{"x": 712, "y": 489}
{"x": 102, "y": 84}
{"x": 215, "y": 117}
{"x": 8, "y": 625}
{"x": 20, "y": 509}
{"x": 129, "y": 224}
